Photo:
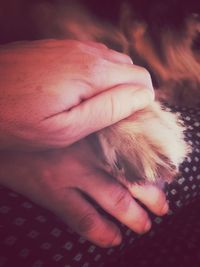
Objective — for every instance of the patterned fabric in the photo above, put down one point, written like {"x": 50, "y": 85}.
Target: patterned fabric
{"x": 31, "y": 236}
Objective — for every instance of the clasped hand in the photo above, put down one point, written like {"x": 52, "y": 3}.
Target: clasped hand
{"x": 53, "y": 93}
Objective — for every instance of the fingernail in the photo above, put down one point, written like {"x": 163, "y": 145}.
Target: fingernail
{"x": 165, "y": 209}
{"x": 131, "y": 61}
{"x": 147, "y": 226}
{"x": 117, "y": 240}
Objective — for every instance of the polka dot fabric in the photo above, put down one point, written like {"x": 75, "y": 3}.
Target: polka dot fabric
{"x": 31, "y": 236}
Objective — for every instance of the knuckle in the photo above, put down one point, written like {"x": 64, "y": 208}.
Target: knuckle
{"x": 147, "y": 76}
{"x": 99, "y": 70}
{"x": 145, "y": 72}
{"x": 121, "y": 198}
{"x": 75, "y": 44}
{"x": 157, "y": 197}
{"x": 87, "y": 223}
{"x": 98, "y": 64}
{"x": 128, "y": 58}
{"x": 101, "y": 45}
{"x": 147, "y": 84}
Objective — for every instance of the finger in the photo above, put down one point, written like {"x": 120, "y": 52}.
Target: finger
{"x": 151, "y": 196}
{"x": 81, "y": 216}
{"x": 117, "y": 201}
{"x": 109, "y": 54}
{"x": 107, "y": 74}
{"x": 96, "y": 113}
{"x": 96, "y": 45}
{"x": 117, "y": 57}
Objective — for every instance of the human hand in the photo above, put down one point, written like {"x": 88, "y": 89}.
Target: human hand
{"x": 53, "y": 93}
{"x": 59, "y": 180}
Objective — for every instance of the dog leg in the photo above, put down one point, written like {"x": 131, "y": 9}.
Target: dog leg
{"x": 148, "y": 146}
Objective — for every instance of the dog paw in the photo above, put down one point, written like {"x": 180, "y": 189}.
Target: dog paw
{"x": 148, "y": 146}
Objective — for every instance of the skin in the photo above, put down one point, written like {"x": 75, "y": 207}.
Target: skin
{"x": 53, "y": 93}
{"x": 56, "y": 180}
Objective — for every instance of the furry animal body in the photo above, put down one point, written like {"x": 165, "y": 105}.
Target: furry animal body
{"x": 149, "y": 145}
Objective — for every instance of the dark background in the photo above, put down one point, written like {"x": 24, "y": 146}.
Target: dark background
{"x": 16, "y": 22}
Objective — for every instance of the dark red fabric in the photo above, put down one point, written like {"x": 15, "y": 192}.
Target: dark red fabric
{"x": 32, "y": 237}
